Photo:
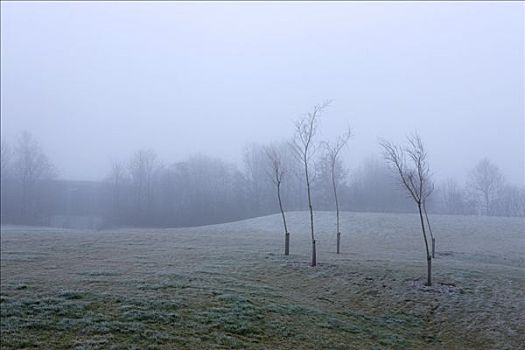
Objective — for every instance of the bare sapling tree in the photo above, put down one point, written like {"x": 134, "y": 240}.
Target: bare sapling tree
{"x": 333, "y": 151}
{"x": 277, "y": 172}
{"x": 304, "y": 149}
{"x": 414, "y": 177}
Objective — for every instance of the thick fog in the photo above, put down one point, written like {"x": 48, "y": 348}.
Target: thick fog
{"x": 166, "y": 107}
{"x": 95, "y": 82}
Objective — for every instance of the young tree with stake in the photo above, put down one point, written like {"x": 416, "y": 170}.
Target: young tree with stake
{"x": 333, "y": 151}
{"x": 414, "y": 177}
{"x": 277, "y": 173}
{"x": 304, "y": 149}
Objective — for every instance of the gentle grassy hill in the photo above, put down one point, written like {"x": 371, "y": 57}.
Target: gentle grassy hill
{"x": 229, "y": 286}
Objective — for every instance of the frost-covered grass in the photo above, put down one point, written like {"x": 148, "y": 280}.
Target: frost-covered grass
{"x": 229, "y": 286}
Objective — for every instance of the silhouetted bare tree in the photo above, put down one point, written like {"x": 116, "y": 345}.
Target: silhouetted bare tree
{"x": 485, "y": 181}
{"x": 141, "y": 169}
{"x": 259, "y": 185}
{"x": 333, "y": 151}
{"x": 277, "y": 173}
{"x": 414, "y": 177}
{"x": 304, "y": 148}
{"x": 30, "y": 166}
{"x": 116, "y": 179}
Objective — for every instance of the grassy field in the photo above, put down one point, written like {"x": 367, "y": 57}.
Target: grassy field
{"x": 229, "y": 286}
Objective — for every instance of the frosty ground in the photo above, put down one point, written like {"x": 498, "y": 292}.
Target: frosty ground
{"x": 229, "y": 286}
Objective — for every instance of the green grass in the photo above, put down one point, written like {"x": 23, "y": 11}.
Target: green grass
{"x": 186, "y": 315}
{"x": 234, "y": 290}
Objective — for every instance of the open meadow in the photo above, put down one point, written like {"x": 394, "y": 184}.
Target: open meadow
{"x": 230, "y": 286}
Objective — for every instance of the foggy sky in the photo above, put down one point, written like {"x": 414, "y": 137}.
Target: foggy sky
{"x": 97, "y": 81}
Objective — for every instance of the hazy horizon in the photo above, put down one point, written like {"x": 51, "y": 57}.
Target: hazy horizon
{"x": 97, "y": 81}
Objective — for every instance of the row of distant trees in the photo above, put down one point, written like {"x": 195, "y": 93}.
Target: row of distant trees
{"x": 486, "y": 192}
{"x": 25, "y": 170}
{"x": 145, "y": 191}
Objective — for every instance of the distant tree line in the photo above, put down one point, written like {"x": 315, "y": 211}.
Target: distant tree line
{"x": 486, "y": 192}
{"x": 145, "y": 191}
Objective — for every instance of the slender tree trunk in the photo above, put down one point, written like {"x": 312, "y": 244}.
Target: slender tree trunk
{"x": 314, "y": 256}
{"x": 430, "y": 231}
{"x": 429, "y": 257}
{"x": 429, "y": 270}
{"x": 286, "y": 233}
{"x": 336, "y": 210}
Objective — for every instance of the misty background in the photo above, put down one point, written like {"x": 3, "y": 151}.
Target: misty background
{"x": 197, "y": 89}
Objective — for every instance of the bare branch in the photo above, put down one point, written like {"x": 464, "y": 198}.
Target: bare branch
{"x": 304, "y": 148}
{"x": 415, "y": 178}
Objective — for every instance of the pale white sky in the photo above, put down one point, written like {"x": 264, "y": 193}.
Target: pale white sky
{"x": 97, "y": 81}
